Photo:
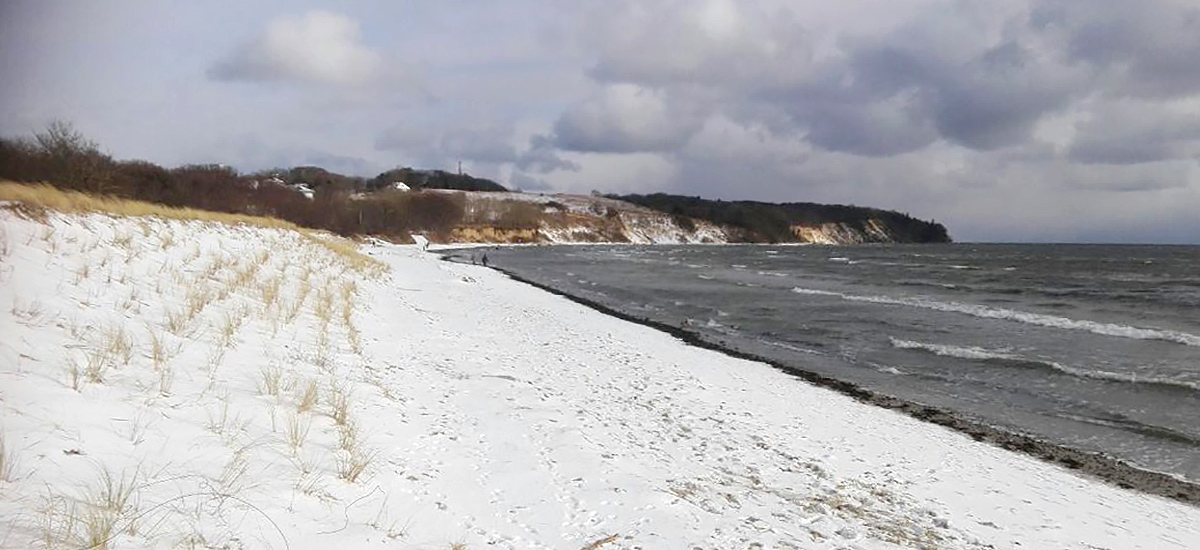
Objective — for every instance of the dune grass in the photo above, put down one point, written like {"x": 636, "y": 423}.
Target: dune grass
{"x": 44, "y": 196}
{"x": 8, "y": 460}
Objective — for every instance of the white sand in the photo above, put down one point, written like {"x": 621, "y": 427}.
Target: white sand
{"x": 496, "y": 415}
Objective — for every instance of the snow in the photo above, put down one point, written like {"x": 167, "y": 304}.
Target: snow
{"x": 493, "y": 415}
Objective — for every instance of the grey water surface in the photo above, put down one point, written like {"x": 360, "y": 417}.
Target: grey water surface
{"x": 1092, "y": 347}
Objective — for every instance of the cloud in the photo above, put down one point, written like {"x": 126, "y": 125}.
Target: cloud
{"x": 977, "y": 75}
{"x": 543, "y": 158}
{"x": 1146, "y": 49}
{"x": 524, "y": 182}
{"x": 626, "y": 118}
{"x": 710, "y": 42}
{"x": 1137, "y": 132}
{"x": 443, "y": 143}
{"x": 1043, "y": 119}
{"x": 317, "y": 47}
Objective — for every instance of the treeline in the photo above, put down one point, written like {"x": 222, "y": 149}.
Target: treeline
{"x": 769, "y": 222}
{"x": 62, "y": 157}
{"x": 433, "y": 179}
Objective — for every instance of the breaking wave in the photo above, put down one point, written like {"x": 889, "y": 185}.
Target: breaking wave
{"x": 1105, "y": 329}
{"x": 1011, "y": 359}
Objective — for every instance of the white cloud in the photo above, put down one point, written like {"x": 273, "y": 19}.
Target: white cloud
{"x": 714, "y": 42}
{"x": 318, "y": 46}
{"x": 615, "y": 173}
{"x": 623, "y": 118}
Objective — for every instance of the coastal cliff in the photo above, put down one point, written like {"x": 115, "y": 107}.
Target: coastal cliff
{"x": 667, "y": 219}
{"x": 799, "y": 222}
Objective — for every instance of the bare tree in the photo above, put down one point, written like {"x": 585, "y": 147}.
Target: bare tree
{"x": 74, "y": 160}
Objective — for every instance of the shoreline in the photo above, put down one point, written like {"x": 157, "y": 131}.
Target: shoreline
{"x": 451, "y": 405}
{"x": 1110, "y": 470}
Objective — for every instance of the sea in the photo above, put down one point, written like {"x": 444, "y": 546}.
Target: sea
{"x": 1092, "y": 347}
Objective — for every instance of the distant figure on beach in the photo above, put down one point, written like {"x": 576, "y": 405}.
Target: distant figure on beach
{"x": 485, "y": 260}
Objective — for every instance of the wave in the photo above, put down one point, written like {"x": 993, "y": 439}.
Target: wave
{"x": 1009, "y": 358}
{"x": 1105, "y": 329}
{"x": 1123, "y": 422}
{"x": 969, "y": 352}
{"x": 790, "y": 347}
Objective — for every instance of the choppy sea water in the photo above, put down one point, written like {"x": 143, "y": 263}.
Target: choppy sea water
{"x": 1092, "y": 347}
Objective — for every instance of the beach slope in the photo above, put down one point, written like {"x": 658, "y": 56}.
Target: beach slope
{"x": 192, "y": 383}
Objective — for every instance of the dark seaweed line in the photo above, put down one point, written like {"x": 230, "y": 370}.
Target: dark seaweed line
{"x": 1098, "y": 465}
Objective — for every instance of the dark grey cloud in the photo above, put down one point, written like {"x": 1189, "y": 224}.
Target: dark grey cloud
{"x": 869, "y": 130}
{"x": 947, "y": 74}
{"x": 978, "y": 91}
{"x": 543, "y": 157}
{"x": 1148, "y": 49}
{"x": 1126, "y": 132}
{"x": 967, "y": 73}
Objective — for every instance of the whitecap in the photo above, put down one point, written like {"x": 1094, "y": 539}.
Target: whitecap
{"x": 1105, "y": 329}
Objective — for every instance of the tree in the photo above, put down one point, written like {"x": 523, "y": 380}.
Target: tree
{"x": 73, "y": 160}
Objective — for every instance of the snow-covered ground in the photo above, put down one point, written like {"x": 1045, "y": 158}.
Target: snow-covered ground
{"x": 179, "y": 384}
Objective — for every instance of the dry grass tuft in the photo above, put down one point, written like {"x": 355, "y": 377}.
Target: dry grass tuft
{"x": 221, "y": 424}
{"x": 352, "y": 465}
{"x": 355, "y": 340}
{"x": 296, "y": 429}
{"x": 166, "y": 378}
{"x": 270, "y": 291}
{"x": 339, "y": 403}
{"x": 74, "y": 373}
{"x": 58, "y": 521}
{"x": 119, "y": 345}
{"x": 176, "y": 322}
{"x": 106, "y": 505}
{"x": 306, "y": 397}
{"x": 324, "y": 306}
{"x": 28, "y": 314}
{"x": 597, "y": 544}
{"x": 98, "y": 361}
{"x": 158, "y": 351}
{"x": 348, "y": 436}
{"x": 8, "y": 461}
{"x": 229, "y": 326}
{"x": 197, "y": 299}
{"x": 271, "y": 379}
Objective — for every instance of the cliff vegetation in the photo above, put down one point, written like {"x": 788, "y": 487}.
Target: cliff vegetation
{"x": 443, "y": 207}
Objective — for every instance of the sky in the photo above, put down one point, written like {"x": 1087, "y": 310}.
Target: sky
{"x": 1006, "y": 120}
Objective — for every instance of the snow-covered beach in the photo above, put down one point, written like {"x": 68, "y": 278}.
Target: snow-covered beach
{"x": 189, "y": 384}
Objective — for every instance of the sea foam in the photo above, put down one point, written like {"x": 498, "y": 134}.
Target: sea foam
{"x": 1009, "y": 358}
{"x": 1105, "y": 329}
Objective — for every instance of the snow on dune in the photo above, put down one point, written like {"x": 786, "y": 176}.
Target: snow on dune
{"x": 179, "y": 384}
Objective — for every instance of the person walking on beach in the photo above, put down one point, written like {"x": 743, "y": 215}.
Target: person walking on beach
{"x": 485, "y": 260}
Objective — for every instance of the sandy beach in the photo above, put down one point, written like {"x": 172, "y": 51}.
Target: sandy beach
{"x": 484, "y": 413}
